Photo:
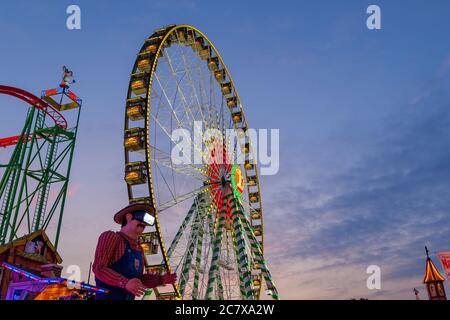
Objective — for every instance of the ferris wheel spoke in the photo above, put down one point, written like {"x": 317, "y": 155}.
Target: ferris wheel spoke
{"x": 172, "y": 110}
{"x": 212, "y": 95}
{"x": 198, "y": 67}
{"x": 166, "y": 131}
{"x": 237, "y": 153}
{"x": 198, "y": 212}
{"x": 191, "y": 83}
{"x": 165, "y": 159}
{"x": 181, "y": 230}
{"x": 203, "y": 95}
{"x": 200, "y": 204}
{"x": 172, "y": 193}
{"x": 183, "y": 98}
{"x": 180, "y": 125}
{"x": 171, "y": 104}
{"x": 194, "y": 90}
{"x": 184, "y": 197}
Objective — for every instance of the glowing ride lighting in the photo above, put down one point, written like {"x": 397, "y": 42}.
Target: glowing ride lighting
{"x": 53, "y": 280}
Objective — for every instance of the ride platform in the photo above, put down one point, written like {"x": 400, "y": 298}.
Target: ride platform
{"x": 67, "y": 99}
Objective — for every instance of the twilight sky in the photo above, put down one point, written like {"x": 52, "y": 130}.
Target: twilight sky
{"x": 364, "y": 119}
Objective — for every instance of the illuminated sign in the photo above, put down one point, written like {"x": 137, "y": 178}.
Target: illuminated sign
{"x": 237, "y": 180}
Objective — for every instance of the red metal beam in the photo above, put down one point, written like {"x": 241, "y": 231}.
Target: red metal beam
{"x": 37, "y": 103}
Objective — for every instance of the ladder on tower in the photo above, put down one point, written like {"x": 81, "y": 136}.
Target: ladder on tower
{"x": 3, "y": 213}
{"x": 40, "y": 119}
{"x": 42, "y": 199}
{"x": 15, "y": 170}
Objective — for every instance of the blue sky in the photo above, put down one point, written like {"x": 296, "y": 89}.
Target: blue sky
{"x": 363, "y": 116}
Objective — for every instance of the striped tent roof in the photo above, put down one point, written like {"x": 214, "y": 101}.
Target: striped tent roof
{"x": 431, "y": 273}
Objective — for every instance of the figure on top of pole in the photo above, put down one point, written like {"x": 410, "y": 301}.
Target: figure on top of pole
{"x": 67, "y": 78}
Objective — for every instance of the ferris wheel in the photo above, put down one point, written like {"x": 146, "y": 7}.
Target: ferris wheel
{"x": 209, "y": 215}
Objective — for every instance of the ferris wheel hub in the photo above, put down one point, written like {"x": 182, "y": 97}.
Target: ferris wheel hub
{"x": 224, "y": 182}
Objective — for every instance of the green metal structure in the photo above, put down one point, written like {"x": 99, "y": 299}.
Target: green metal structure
{"x": 35, "y": 181}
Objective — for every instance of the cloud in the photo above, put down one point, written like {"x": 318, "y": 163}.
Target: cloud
{"x": 391, "y": 203}
{"x": 437, "y": 81}
{"x": 73, "y": 188}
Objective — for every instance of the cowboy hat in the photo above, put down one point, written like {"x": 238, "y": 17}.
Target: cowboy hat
{"x": 118, "y": 217}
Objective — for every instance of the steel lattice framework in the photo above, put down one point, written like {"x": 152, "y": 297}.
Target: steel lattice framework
{"x": 210, "y": 213}
{"x": 35, "y": 181}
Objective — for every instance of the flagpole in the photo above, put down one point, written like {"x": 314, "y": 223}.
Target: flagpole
{"x": 89, "y": 276}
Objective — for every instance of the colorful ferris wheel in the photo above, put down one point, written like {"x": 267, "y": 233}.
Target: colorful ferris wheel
{"x": 209, "y": 216}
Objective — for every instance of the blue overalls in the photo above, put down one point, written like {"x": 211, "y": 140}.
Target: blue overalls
{"x": 130, "y": 265}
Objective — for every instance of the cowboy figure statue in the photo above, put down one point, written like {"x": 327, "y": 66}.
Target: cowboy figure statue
{"x": 119, "y": 258}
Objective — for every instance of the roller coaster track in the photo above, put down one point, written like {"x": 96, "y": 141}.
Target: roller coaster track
{"x": 37, "y": 103}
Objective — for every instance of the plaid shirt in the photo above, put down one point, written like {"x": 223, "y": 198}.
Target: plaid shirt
{"x": 110, "y": 248}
